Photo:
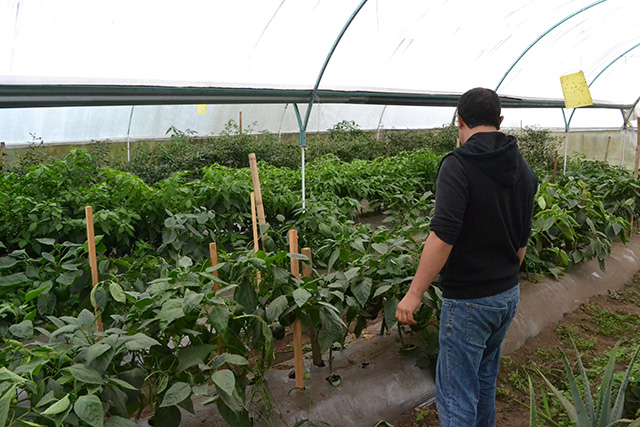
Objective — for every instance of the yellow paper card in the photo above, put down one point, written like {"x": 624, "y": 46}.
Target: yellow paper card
{"x": 575, "y": 90}
{"x": 202, "y": 109}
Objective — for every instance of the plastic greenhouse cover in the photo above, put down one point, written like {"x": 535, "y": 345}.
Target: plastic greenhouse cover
{"x": 520, "y": 48}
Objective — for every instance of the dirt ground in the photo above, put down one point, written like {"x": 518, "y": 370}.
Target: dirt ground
{"x": 595, "y": 327}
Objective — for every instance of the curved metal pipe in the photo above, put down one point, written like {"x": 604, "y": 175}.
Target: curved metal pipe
{"x": 562, "y": 21}
{"x": 326, "y": 63}
{"x": 602, "y": 71}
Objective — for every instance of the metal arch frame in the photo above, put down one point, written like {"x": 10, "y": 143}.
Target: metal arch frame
{"x": 622, "y": 55}
{"x": 302, "y": 124}
{"x": 567, "y": 123}
{"x": 556, "y": 25}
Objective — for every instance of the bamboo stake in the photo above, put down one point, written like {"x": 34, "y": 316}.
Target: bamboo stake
{"x": 606, "y": 153}
{"x": 555, "y": 168}
{"x": 256, "y": 242}
{"x": 240, "y": 120}
{"x": 307, "y": 271}
{"x": 297, "y": 324}
{"x": 213, "y": 255}
{"x": 255, "y": 178}
{"x": 93, "y": 262}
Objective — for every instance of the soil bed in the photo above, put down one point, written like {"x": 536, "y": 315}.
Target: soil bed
{"x": 595, "y": 327}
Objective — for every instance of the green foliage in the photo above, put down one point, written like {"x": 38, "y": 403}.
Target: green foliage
{"x": 583, "y": 411}
{"x": 539, "y": 148}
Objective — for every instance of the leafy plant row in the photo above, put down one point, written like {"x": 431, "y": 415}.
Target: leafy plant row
{"x": 156, "y": 286}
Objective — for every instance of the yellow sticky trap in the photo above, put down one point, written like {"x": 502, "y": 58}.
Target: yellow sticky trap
{"x": 202, "y": 109}
{"x": 575, "y": 90}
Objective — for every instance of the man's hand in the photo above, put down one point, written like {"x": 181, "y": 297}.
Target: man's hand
{"x": 407, "y": 307}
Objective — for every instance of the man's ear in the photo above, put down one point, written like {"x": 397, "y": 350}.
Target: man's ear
{"x": 500, "y": 122}
{"x": 461, "y": 122}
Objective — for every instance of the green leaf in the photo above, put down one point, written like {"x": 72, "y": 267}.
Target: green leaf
{"x": 533, "y": 413}
{"x": 362, "y": 290}
{"x": 185, "y": 262}
{"x": 170, "y": 311}
{"x": 219, "y": 318}
{"x": 245, "y": 295}
{"x": 332, "y": 329}
{"x": 85, "y": 374}
{"x": 23, "y": 330}
{"x": 46, "y": 241}
{"x": 224, "y": 380}
{"x": 390, "y": 307}
{"x": 298, "y": 256}
{"x": 5, "y": 404}
{"x": 176, "y": 394}
{"x": 381, "y": 248}
{"x": 301, "y": 296}
{"x": 13, "y": 279}
{"x": 33, "y": 294}
{"x": 48, "y": 257}
{"x": 542, "y": 203}
{"x": 191, "y": 302}
{"x": 89, "y": 409}
{"x": 169, "y": 416}
{"x": 122, "y": 384}
{"x": 58, "y": 407}
{"x": 7, "y": 375}
{"x": 381, "y": 290}
{"x": 117, "y": 293}
{"x": 95, "y": 351}
{"x": 276, "y": 308}
{"x": 191, "y": 355}
{"x": 333, "y": 258}
{"x": 66, "y": 278}
{"x": 7, "y": 262}
{"x": 139, "y": 342}
{"x": 116, "y": 421}
{"x": 232, "y": 359}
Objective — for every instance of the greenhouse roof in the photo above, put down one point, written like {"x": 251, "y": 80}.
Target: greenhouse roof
{"x": 376, "y": 52}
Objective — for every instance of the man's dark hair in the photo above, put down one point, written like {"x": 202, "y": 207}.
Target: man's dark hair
{"x": 480, "y": 106}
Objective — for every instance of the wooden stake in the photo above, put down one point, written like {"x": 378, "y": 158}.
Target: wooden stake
{"x": 606, "y": 153}
{"x": 3, "y": 153}
{"x": 240, "y": 120}
{"x": 93, "y": 262}
{"x": 555, "y": 168}
{"x": 255, "y": 178}
{"x": 307, "y": 271}
{"x": 256, "y": 242}
{"x": 213, "y": 254}
{"x": 297, "y": 324}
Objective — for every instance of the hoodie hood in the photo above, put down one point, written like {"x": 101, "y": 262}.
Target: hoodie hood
{"x": 495, "y": 154}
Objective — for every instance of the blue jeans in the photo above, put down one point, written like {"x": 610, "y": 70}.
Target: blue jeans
{"x": 471, "y": 333}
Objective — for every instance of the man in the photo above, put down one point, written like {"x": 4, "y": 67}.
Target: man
{"x": 479, "y": 233}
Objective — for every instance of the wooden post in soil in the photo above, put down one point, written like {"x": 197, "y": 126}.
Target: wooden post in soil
{"x": 213, "y": 255}
{"x": 297, "y": 324}
{"x": 255, "y": 179}
{"x": 555, "y": 168}
{"x": 256, "y": 242}
{"x": 93, "y": 262}
{"x": 307, "y": 271}
{"x": 606, "y": 152}
{"x": 240, "y": 121}
{"x": 3, "y": 153}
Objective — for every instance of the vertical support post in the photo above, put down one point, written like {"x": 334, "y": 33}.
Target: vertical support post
{"x": 256, "y": 242}
{"x": 566, "y": 148}
{"x": 128, "y": 135}
{"x": 93, "y": 263}
{"x": 297, "y": 324}
{"x": 240, "y": 122}
{"x": 307, "y": 271}
{"x": 255, "y": 178}
{"x": 635, "y": 169}
{"x": 302, "y": 156}
{"x": 606, "y": 152}
{"x": 213, "y": 255}
{"x": 624, "y": 145}
{"x": 555, "y": 168}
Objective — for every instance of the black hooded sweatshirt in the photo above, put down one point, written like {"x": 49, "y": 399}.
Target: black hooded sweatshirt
{"x": 484, "y": 207}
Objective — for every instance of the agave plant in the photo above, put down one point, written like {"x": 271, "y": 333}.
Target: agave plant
{"x": 584, "y": 413}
